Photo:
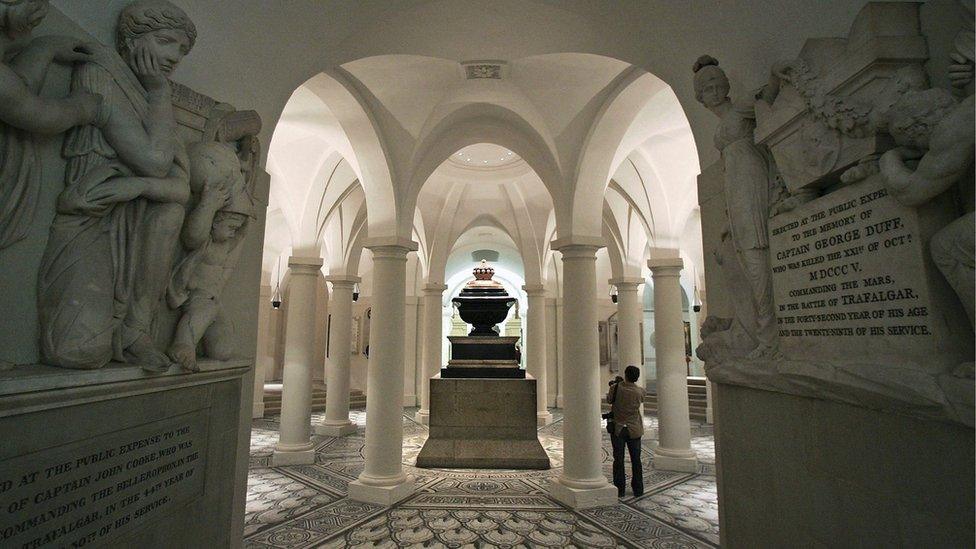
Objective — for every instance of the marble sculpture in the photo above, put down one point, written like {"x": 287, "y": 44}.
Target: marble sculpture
{"x": 750, "y": 181}
{"x": 213, "y": 231}
{"x": 859, "y": 176}
{"x": 23, "y": 66}
{"x": 140, "y": 218}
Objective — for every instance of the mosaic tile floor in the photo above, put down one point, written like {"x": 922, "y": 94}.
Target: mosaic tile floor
{"x": 305, "y": 506}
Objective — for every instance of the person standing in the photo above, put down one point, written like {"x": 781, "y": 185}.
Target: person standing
{"x": 628, "y": 428}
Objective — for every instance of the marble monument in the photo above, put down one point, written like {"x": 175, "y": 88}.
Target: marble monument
{"x": 841, "y": 183}
{"x": 482, "y": 405}
{"x": 146, "y": 200}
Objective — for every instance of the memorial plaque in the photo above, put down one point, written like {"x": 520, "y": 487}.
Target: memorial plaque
{"x": 852, "y": 277}
{"x": 87, "y": 492}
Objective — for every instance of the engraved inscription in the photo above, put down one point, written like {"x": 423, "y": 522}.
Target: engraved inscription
{"x": 84, "y": 493}
{"x": 849, "y": 267}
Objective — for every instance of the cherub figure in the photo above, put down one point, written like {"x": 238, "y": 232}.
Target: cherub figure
{"x": 23, "y": 67}
{"x": 213, "y": 233}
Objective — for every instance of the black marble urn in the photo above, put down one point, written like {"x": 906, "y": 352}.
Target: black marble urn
{"x": 483, "y": 303}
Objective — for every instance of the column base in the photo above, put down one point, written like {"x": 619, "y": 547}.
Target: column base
{"x": 335, "y": 430}
{"x": 684, "y": 461}
{"x": 422, "y": 417}
{"x": 544, "y": 418}
{"x": 381, "y": 495}
{"x": 709, "y": 417}
{"x": 559, "y": 402}
{"x": 298, "y": 454}
{"x": 583, "y": 498}
{"x": 257, "y": 411}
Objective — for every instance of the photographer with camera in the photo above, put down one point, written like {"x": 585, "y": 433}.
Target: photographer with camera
{"x": 626, "y": 426}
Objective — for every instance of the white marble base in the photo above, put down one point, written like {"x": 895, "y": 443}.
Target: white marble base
{"x": 544, "y": 418}
{"x": 336, "y": 430}
{"x": 300, "y": 455}
{"x": 671, "y": 460}
{"x": 257, "y": 410}
{"x": 422, "y": 417}
{"x": 583, "y": 498}
{"x": 381, "y": 495}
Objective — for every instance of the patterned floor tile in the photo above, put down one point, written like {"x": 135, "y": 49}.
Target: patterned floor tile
{"x": 304, "y": 506}
{"x": 691, "y": 506}
{"x": 273, "y": 498}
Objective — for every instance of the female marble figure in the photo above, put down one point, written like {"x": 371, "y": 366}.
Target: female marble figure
{"x": 23, "y": 67}
{"x": 115, "y": 235}
{"x": 749, "y": 182}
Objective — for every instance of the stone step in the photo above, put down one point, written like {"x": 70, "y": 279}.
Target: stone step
{"x": 697, "y": 400}
{"x": 272, "y": 400}
{"x": 692, "y": 399}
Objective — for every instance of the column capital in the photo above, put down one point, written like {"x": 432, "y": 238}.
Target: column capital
{"x": 577, "y": 245}
{"x": 305, "y": 265}
{"x": 665, "y": 266}
{"x": 343, "y": 281}
{"x": 390, "y": 246}
{"x": 535, "y": 290}
{"x": 626, "y": 282}
{"x": 434, "y": 288}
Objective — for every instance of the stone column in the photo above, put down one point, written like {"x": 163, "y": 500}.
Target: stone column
{"x": 433, "y": 345}
{"x": 629, "y": 313}
{"x": 535, "y": 349}
{"x": 673, "y": 452}
{"x": 581, "y": 483}
{"x": 294, "y": 446}
{"x": 383, "y": 481}
{"x": 560, "y": 355}
{"x": 263, "y": 360}
{"x": 336, "y": 422}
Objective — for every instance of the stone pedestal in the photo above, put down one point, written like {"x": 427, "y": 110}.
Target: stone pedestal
{"x": 140, "y": 452}
{"x": 483, "y": 356}
{"x": 483, "y": 423}
{"x": 833, "y": 474}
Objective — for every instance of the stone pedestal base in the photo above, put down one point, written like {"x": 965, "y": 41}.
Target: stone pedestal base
{"x": 257, "y": 410}
{"x": 337, "y": 430}
{"x": 189, "y": 427}
{"x": 422, "y": 417}
{"x": 838, "y": 474}
{"x": 544, "y": 418}
{"x": 381, "y": 495}
{"x": 299, "y": 455}
{"x": 483, "y": 454}
{"x": 583, "y": 498}
{"x": 670, "y": 460}
{"x": 483, "y": 423}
